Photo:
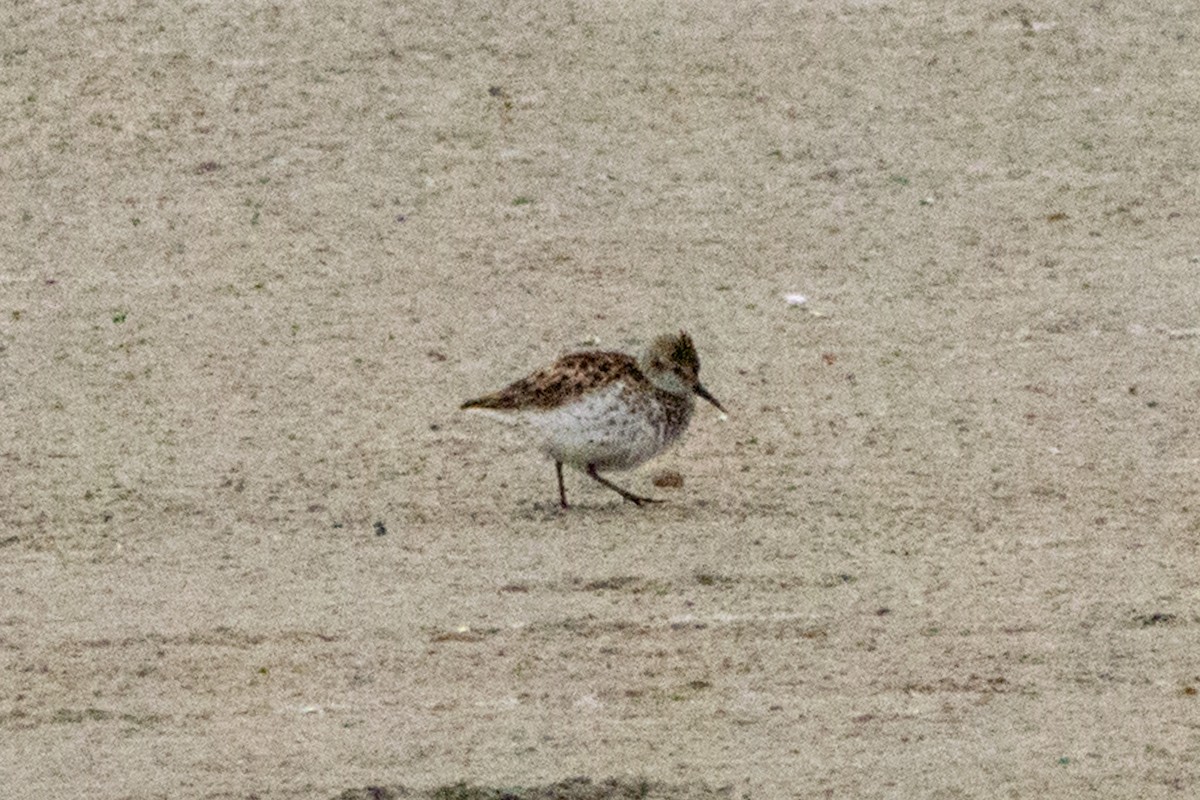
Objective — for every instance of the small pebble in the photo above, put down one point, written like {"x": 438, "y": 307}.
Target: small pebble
{"x": 668, "y": 479}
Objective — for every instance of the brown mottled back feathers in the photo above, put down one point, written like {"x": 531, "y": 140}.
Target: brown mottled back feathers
{"x": 568, "y": 379}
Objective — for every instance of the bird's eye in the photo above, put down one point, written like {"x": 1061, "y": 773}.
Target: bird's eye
{"x": 658, "y": 364}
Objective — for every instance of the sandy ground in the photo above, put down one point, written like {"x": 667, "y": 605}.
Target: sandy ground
{"x": 254, "y": 255}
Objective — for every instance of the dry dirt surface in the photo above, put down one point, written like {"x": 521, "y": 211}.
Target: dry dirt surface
{"x": 580, "y": 788}
{"x": 255, "y": 254}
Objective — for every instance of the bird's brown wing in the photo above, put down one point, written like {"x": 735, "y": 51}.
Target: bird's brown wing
{"x": 568, "y": 379}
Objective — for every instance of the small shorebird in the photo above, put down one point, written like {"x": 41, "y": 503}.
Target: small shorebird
{"x": 599, "y": 411}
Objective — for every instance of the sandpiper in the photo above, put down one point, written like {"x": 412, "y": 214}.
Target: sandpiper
{"x": 600, "y": 410}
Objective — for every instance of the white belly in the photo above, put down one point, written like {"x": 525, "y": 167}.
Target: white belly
{"x": 598, "y": 429}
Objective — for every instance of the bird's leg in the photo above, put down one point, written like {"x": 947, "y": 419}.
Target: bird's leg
{"x": 562, "y": 490}
{"x": 636, "y": 499}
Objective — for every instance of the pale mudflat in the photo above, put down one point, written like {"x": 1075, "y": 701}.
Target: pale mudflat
{"x": 945, "y": 546}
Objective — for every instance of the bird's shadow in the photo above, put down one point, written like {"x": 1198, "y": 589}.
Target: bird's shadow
{"x": 552, "y": 512}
